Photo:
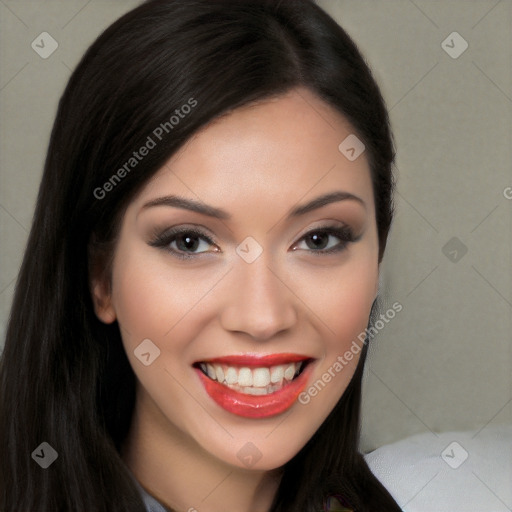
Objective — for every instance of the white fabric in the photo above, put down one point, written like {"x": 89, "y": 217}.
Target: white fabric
{"x": 427, "y": 473}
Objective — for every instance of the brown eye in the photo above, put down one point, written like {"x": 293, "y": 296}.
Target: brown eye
{"x": 183, "y": 242}
{"x": 323, "y": 240}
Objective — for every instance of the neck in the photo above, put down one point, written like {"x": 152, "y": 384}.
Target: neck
{"x": 183, "y": 476}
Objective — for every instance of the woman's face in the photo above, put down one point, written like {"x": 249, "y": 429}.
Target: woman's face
{"x": 274, "y": 285}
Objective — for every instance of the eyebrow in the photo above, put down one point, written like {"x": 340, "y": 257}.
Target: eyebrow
{"x": 217, "y": 213}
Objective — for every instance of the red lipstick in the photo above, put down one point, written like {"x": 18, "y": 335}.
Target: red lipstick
{"x": 256, "y": 360}
{"x": 257, "y": 406}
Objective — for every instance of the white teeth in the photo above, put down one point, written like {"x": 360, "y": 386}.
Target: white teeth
{"x": 289, "y": 372}
{"x": 255, "y": 391}
{"x": 245, "y": 377}
{"x": 261, "y": 377}
{"x": 220, "y": 372}
{"x": 211, "y": 371}
{"x": 231, "y": 376}
{"x": 276, "y": 374}
{"x": 252, "y": 381}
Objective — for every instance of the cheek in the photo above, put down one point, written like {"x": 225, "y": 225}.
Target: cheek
{"x": 351, "y": 305}
{"x": 342, "y": 299}
{"x": 138, "y": 302}
{"x": 150, "y": 300}
{"x": 343, "y": 304}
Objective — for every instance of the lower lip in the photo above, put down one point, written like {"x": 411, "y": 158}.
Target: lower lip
{"x": 255, "y": 406}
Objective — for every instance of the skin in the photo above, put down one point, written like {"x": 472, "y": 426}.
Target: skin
{"x": 257, "y": 163}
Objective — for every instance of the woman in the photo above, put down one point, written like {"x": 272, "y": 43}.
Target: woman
{"x": 203, "y": 259}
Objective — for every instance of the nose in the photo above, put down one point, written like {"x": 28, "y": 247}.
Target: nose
{"x": 259, "y": 302}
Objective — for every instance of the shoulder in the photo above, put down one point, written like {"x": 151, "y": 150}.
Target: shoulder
{"x": 467, "y": 471}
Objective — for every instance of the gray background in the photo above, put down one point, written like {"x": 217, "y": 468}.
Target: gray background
{"x": 444, "y": 362}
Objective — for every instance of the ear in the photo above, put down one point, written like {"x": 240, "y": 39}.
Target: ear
{"x": 102, "y": 299}
{"x": 100, "y": 282}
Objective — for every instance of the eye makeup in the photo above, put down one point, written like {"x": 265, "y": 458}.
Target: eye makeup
{"x": 182, "y": 241}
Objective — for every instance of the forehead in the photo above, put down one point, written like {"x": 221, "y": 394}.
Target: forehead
{"x": 275, "y": 151}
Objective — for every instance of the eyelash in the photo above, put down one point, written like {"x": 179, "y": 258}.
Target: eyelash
{"x": 345, "y": 234}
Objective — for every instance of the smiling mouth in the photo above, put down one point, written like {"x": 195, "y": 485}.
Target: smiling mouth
{"x": 255, "y": 386}
{"x": 258, "y": 380}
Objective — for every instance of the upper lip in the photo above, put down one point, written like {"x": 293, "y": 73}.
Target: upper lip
{"x": 257, "y": 360}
